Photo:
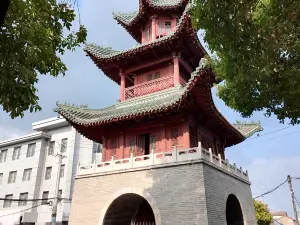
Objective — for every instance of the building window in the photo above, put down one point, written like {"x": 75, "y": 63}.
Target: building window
{"x": 12, "y": 177}
{"x": 168, "y": 26}
{"x": 23, "y": 199}
{"x": 59, "y": 195}
{"x": 97, "y": 148}
{"x": 174, "y": 136}
{"x": 51, "y": 148}
{"x": 62, "y": 171}
{"x": 149, "y": 77}
{"x": 48, "y": 173}
{"x": 64, "y": 143}
{"x": 16, "y": 153}
{"x": 3, "y": 155}
{"x": 164, "y": 27}
{"x": 1, "y": 178}
{"x": 7, "y": 201}
{"x": 148, "y": 33}
{"x": 26, "y": 175}
{"x": 30, "y": 150}
{"x": 45, "y": 197}
{"x": 157, "y": 75}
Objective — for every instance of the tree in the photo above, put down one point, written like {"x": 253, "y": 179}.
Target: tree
{"x": 263, "y": 216}
{"x": 3, "y": 10}
{"x": 32, "y": 38}
{"x": 256, "y": 49}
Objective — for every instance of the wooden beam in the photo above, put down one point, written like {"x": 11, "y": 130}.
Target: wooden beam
{"x": 147, "y": 64}
{"x": 185, "y": 65}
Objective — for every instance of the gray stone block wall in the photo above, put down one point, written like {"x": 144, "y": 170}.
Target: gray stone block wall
{"x": 187, "y": 194}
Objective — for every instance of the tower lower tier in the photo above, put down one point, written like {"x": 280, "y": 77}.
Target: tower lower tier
{"x": 179, "y": 192}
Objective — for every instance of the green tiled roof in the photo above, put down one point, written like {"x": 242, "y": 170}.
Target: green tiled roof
{"x": 127, "y": 18}
{"x": 248, "y": 129}
{"x": 104, "y": 52}
{"x": 158, "y": 101}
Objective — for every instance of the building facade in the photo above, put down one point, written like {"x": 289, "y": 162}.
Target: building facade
{"x": 164, "y": 141}
{"x": 29, "y": 167}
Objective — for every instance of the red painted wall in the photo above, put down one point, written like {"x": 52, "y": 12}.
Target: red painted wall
{"x": 118, "y": 144}
{"x": 163, "y": 71}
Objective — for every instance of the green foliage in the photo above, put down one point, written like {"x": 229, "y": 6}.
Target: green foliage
{"x": 263, "y": 216}
{"x": 32, "y": 36}
{"x": 256, "y": 44}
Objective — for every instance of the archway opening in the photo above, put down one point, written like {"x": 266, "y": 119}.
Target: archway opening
{"x": 129, "y": 209}
{"x": 234, "y": 215}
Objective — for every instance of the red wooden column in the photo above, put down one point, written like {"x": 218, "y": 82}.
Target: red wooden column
{"x": 153, "y": 27}
{"x": 186, "y": 134}
{"x": 121, "y": 146}
{"x": 122, "y": 88}
{"x": 176, "y": 70}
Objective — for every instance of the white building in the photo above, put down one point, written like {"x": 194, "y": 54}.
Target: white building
{"x": 29, "y": 167}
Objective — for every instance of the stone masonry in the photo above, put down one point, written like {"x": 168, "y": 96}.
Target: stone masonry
{"x": 193, "y": 193}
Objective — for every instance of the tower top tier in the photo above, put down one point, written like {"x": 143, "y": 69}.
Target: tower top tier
{"x": 136, "y": 23}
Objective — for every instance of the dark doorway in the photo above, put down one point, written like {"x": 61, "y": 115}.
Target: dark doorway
{"x": 234, "y": 215}
{"x": 145, "y": 143}
{"x": 129, "y": 209}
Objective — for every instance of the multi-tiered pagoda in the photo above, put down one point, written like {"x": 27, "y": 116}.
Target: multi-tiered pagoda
{"x": 165, "y": 110}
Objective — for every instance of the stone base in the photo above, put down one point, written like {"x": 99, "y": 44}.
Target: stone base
{"x": 179, "y": 194}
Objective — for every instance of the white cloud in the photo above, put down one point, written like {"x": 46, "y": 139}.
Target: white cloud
{"x": 267, "y": 173}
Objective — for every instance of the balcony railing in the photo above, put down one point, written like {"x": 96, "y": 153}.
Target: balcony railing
{"x": 177, "y": 155}
{"x": 151, "y": 86}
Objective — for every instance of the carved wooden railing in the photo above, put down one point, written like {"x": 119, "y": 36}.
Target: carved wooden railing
{"x": 177, "y": 155}
{"x": 149, "y": 87}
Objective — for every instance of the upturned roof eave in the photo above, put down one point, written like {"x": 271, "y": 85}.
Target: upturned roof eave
{"x": 71, "y": 113}
{"x": 130, "y": 20}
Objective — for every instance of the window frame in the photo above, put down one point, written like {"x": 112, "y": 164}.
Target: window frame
{"x": 51, "y": 148}
{"x": 62, "y": 171}
{"x": 7, "y": 203}
{"x": 21, "y": 197}
{"x": 10, "y": 177}
{"x": 30, "y": 150}
{"x": 47, "y": 176}
{"x": 3, "y": 155}
{"x": 64, "y": 146}
{"x": 45, "y": 198}
{"x": 18, "y": 151}
{"x": 27, "y": 177}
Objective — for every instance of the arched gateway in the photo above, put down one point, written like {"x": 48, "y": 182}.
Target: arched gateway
{"x": 234, "y": 215}
{"x": 129, "y": 209}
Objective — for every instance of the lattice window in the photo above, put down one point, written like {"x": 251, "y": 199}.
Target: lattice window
{"x": 174, "y": 136}
{"x": 157, "y": 75}
{"x": 141, "y": 143}
{"x": 148, "y": 33}
{"x": 132, "y": 144}
{"x": 164, "y": 27}
{"x": 149, "y": 77}
{"x": 153, "y": 139}
{"x": 168, "y": 26}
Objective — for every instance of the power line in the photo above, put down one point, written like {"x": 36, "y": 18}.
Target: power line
{"x": 272, "y": 190}
{"x": 271, "y": 132}
{"x": 239, "y": 147}
{"x": 24, "y": 210}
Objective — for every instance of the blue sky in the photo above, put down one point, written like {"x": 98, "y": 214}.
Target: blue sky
{"x": 269, "y": 158}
